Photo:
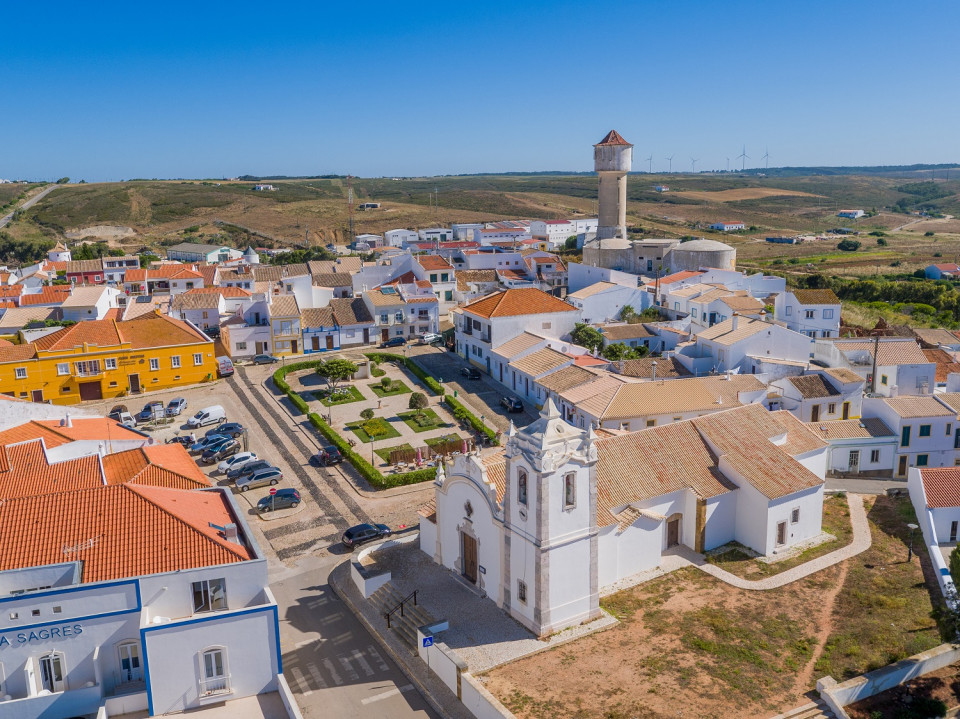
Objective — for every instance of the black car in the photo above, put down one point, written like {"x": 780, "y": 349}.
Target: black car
{"x": 364, "y": 533}
{"x": 394, "y": 342}
{"x": 328, "y": 456}
{"x": 470, "y": 372}
{"x": 220, "y": 451}
{"x": 248, "y": 469}
{"x": 212, "y": 332}
{"x": 511, "y": 404}
{"x": 227, "y": 429}
{"x": 283, "y": 499}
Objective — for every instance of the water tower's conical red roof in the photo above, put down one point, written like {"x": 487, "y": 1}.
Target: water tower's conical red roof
{"x": 613, "y": 138}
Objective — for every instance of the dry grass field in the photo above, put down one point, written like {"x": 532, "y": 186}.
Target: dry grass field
{"x": 747, "y": 193}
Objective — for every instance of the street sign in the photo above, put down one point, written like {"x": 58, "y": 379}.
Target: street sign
{"x": 273, "y": 491}
{"x": 427, "y": 642}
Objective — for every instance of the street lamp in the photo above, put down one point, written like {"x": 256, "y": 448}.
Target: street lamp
{"x": 913, "y": 528}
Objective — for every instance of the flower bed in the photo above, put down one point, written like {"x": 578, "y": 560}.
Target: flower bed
{"x": 346, "y": 395}
{"x": 424, "y": 423}
{"x": 375, "y": 429}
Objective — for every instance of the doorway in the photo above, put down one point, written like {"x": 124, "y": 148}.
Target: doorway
{"x": 366, "y": 335}
{"x": 51, "y": 673}
{"x": 329, "y": 342}
{"x": 37, "y": 395}
{"x": 781, "y": 533}
{"x": 902, "y": 466}
{"x": 854, "y": 460}
{"x": 953, "y": 531}
{"x": 469, "y": 558}
{"x": 90, "y": 390}
{"x": 134, "y": 380}
{"x": 130, "y": 670}
{"x": 294, "y": 347}
{"x": 846, "y": 410}
{"x": 673, "y": 532}
{"x": 815, "y": 413}
{"x": 384, "y": 335}
{"x": 316, "y": 343}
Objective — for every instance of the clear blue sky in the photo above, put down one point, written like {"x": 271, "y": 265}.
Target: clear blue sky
{"x": 105, "y": 90}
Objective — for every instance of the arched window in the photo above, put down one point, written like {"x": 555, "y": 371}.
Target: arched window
{"x": 52, "y": 672}
{"x": 522, "y": 486}
{"x": 214, "y": 674}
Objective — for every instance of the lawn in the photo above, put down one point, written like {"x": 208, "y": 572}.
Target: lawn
{"x": 434, "y": 441}
{"x": 690, "y": 640}
{"x": 428, "y": 420}
{"x": 384, "y": 452}
{"x": 347, "y": 395}
{"x": 374, "y": 429}
{"x": 396, "y": 387}
{"x": 836, "y": 521}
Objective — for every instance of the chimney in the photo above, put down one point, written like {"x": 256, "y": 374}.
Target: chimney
{"x": 66, "y": 421}
{"x": 654, "y": 366}
{"x": 231, "y": 534}
{"x": 736, "y": 320}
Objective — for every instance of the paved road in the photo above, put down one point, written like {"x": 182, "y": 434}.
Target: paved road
{"x": 331, "y": 662}
{"x": 4, "y": 221}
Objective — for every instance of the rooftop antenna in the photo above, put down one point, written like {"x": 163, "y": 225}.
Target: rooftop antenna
{"x": 743, "y": 156}
{"x": 670, "y": 160}
{"x": 436, "y": 202}
{"x": 350, "y": 205}
{"x": 693, "y": 163}
{"x": 650, "y": 163}
{"x": 766, "y": 159}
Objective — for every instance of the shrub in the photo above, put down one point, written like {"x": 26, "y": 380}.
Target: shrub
{"x": 462, "y": 414}
{"x": 375, "y": 370}
{"x": 386, "y": 382}
{"x": 367, "y": 414}
{"x": 418, "y": 402}
{"x": 848, "y": 245}
{"x": 882, "y": 241}
{"x": 929, "y": 233}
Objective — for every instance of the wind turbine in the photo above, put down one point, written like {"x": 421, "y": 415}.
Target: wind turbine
{"x": 670, "y": 160}
{"x": 650, "y": 163}
{"x": 693, "y": 163}
{"x": 766, "y": 159}
{"x": 744, "y": 157}
{"x": 728, "y": 164}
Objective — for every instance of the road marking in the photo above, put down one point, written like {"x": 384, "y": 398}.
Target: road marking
{"x": 345, "y": 663}
{"x": 317, "y": 676}
{"x": 333, "y": 672}
{"x": 367, "y": 669}
{"x": 387, "y": 695}
{"x": 301, "y": 681}
{"x": 382, "y": 665}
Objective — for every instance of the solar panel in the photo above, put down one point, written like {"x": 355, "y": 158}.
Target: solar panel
{"x": 144, "y": 298}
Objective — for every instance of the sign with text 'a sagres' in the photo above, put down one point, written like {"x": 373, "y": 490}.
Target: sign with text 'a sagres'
{"x": 65, "y": 631}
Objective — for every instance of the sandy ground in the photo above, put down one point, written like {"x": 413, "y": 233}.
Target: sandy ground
{"x": 745, "y": 193}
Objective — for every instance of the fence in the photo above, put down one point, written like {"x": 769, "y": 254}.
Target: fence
{"x": 428, "y": 452}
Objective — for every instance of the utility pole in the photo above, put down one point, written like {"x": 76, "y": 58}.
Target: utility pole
{"x": 350, "y": 205}
{"x": 876, "y": 350}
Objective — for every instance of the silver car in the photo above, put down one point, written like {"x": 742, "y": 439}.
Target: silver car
{"x": 176, "y": 406}
{"x": 261, "y": 478}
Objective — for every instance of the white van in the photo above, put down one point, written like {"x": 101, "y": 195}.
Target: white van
{"x": 208, "y": 415}
{"x": 224, "y": 366}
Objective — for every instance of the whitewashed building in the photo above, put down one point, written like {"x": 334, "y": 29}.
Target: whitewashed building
{"x": 823, "y": 395}
{"x": 901, "y": 366}
{"x": 815, "y": 313}
{"x": 747, "y": 345}
{"x": 858, "y": 446}
{"x": 924, "y": 429}
{"x": 563, "y": 513}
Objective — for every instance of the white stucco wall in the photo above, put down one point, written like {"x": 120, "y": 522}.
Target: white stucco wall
{"x": 721, "y": 521}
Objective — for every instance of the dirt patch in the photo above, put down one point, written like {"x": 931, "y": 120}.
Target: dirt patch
{"x": 102, "y": 232}
{"x": 689, "y": 640}
{"x": 942, "y": 685}
{"x": 743, "y": 193}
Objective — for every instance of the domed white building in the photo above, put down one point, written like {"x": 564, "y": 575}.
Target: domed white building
{"x": 696, "y": 254}
{"x": 59, "y": 253}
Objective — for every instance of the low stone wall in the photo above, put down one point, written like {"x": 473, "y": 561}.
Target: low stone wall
{"x": 853, "y": 690}
{"x": 286, "y": 696}
{"x": 366, "y": 582}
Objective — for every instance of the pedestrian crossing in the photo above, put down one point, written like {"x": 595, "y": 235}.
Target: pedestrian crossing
{"x": 307, "y": 672}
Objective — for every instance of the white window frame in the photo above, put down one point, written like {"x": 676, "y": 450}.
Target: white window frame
{"x": 213, "y": 682}
{"x": 20, "y": 372}
{"x": 208, "y": 601}
{"x": 110, "y": 363}
{"x": 175, "y": 361}
{"x": 154, "y": 364}
{"x": 241, "y": 346}
{"x": 521, "y": 591}
{"x": 197, "y": 359}
{"x": 795, "y": 515}
{"x": 63, "y": 368}
{"x": 58, "y": 657}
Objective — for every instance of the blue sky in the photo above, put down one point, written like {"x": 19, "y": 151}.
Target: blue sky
{"x": 105, "y": 91}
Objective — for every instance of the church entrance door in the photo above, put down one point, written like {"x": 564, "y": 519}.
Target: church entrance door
{"x": 673, "y": 532}
{"x": 469, "y": 558}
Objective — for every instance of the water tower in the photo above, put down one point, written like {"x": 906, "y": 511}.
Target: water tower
{"x": 611, "y": 159}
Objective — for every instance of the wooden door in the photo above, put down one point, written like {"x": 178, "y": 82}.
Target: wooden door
{"x": 902, "y": 467}
{"x": 781, "y": 533}
{"x": 37, "y": 395}
{"x": 90, "y": 390}
{"x": 673, "y": 532}
{"x": 293, "y": 346}
{"x": 384, "y": 335}
{"x": 329, "y": 342}
{"x": 846, "y": 410}
{"x": 470, "y": 558}
{"x": 134, "y": 380}
{"x": 316, "y": 343}
{"x": 815, "y": 413}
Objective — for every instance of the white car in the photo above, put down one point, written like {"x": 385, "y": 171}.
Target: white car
{"x": 236, "y": 461}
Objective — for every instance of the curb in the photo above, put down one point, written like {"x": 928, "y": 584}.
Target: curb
{"x": 334, "y": 580}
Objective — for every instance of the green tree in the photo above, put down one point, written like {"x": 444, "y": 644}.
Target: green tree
{"x": 587, "y": 336}
{"x": 335, "y": 372}
{"x": 418, "y": 402}
{"x": 620, "y": 351}
{"x": 571, "y": 243}
{"x": 848, "y": 245}
{"x": 63, "y": 180}
{"x": 386, "y": 383}
{"x": 882, "y": 241}
{"x": 366, "y": 414}
{"x": 628, "y": 314}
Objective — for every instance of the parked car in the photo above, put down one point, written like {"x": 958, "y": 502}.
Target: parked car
{"x": 247, "y": 469}
{"x": 364, "y": 533}
{"x": 204, "y": 443}
{"x": 224, "y": 366}
{"x": 511, "y": 404}
{"x": 260, "y": 478}
{"x": 470, "y": 372}
{"x": 213, "y": 414}
{"x": 284, "y": 498}
{"x": 237, "y": 461}
{"x": 123, "y": 417}
{"x": 228, "y": 429}
{"x": 151, "y": 410}
{"x": 176, "y": 406}
{"x": 394, "y": 342}
{"x": 328, "y": 456}
{"x": 430, "y": 338}
{"x": 212, "y": 332}
{"x": 184, "y": 439}
{"x": 220, "y": 451}
{"x": 265, "y": 359}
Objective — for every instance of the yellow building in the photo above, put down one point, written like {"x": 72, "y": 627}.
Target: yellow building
{"x": 99, "y": 359}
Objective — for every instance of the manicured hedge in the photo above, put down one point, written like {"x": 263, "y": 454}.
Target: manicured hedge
{"x": 367, "y": 470}
{"x": 414, "y": 368}
{"x": 463, "y": 414}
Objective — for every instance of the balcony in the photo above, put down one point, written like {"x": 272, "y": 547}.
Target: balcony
{"x": 217, "y": 686}
{"x": 467, "y": 330}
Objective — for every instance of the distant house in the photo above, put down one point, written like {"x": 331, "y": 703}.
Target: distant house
{"x": 115, "y": 268}
{"x": 661, "y": 188}
{"x": 946, "y": 271}
{"x": 85, "y": 272}
{"x": 815, "y": 313}
{"x": 727, "y": 226}
{"x": 368, "y": 206}
{"x": 851, "y": 214}
{"x": 264, "y": 188}
{"x": 195, "y": 252}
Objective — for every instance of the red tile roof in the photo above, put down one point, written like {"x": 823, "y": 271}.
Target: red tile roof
{"x": 434, "y": 262}
{"x": 225, "y": 291}
{"x": 83, "y": 428}
{"x": 47, "y": 296}
{"x": 613, "y": 138}
{"x": 162, "y": 465}
{"x": 942, "y": 486}
{"x": 514, "y": 302}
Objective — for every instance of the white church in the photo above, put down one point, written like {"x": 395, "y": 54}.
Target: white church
{"x": 544, "y": 525}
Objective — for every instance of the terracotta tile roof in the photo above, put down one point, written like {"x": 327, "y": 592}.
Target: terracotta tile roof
{"x": 231, "y": 292}
{"x": 678, "y": 396}
{"x": 94, "y": 527}
{"x": 678, "y": 277}
{"x": 843, "y": 375}
{"x": 114, "y": 313}
{"x": 434, "y": 263}
{"x": 816, "y": 297}
{"x": 512, "y": 274}
{"x": 594, "y": 397}
{"x": 188, "y": 301}
{"x": 161, "y": 465}
{"x": 620, "y": 332}
{"x": 101, "y": 333}
{"x": 892, "y": 351}
{"x": 945, "y": 363}
{"x": 566, "y": 378}
{"x": 275, "y": 273}
{"x": 585, "y": 360}
{"x": 541, "y": 361}
{"x": 518, "y": 344}
{"x": 347, "y": 265}
{"x": 464, "y": 277}
{"x": 47, "y": 296}
{"x": 941, "y": 486}
{"x": 25, "y": 471}
{"x": 667, "y": 368}
{"x": 743, "y": 303}
{"x": 511, "y": 303}
{"x": 159, "y": 331}
{"x": 935, "y": 336}
{"x": 78, "y": 266}
{"x": 382, "y": 299}
{"x": 951, "y": 399}
{"x": 613, "y": 138}
{"x": 18, "y": 353}
{"x": 913, "y": 407}
{"x": 209, "y": 273}
{"x": 157, "y": 303}
{"x": 422, "y": 300}
{"x": 723, "y": 333}
{"x": 332, "y": 279}
{"x": 83, "y": 428}
{"x": 863, "y": 428}
{"x": 170, "y": 271}
{"x": 351, "y": 311}
{"x": 11, "y": 290}
{"x": 284, "y": 306}
{"x": 317, "y": 317}
{"x": 495, "y": 465}
{"x": 811, "y": 386}
{"x": 591, "y": 290}
{"x": 429, "y": 511}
